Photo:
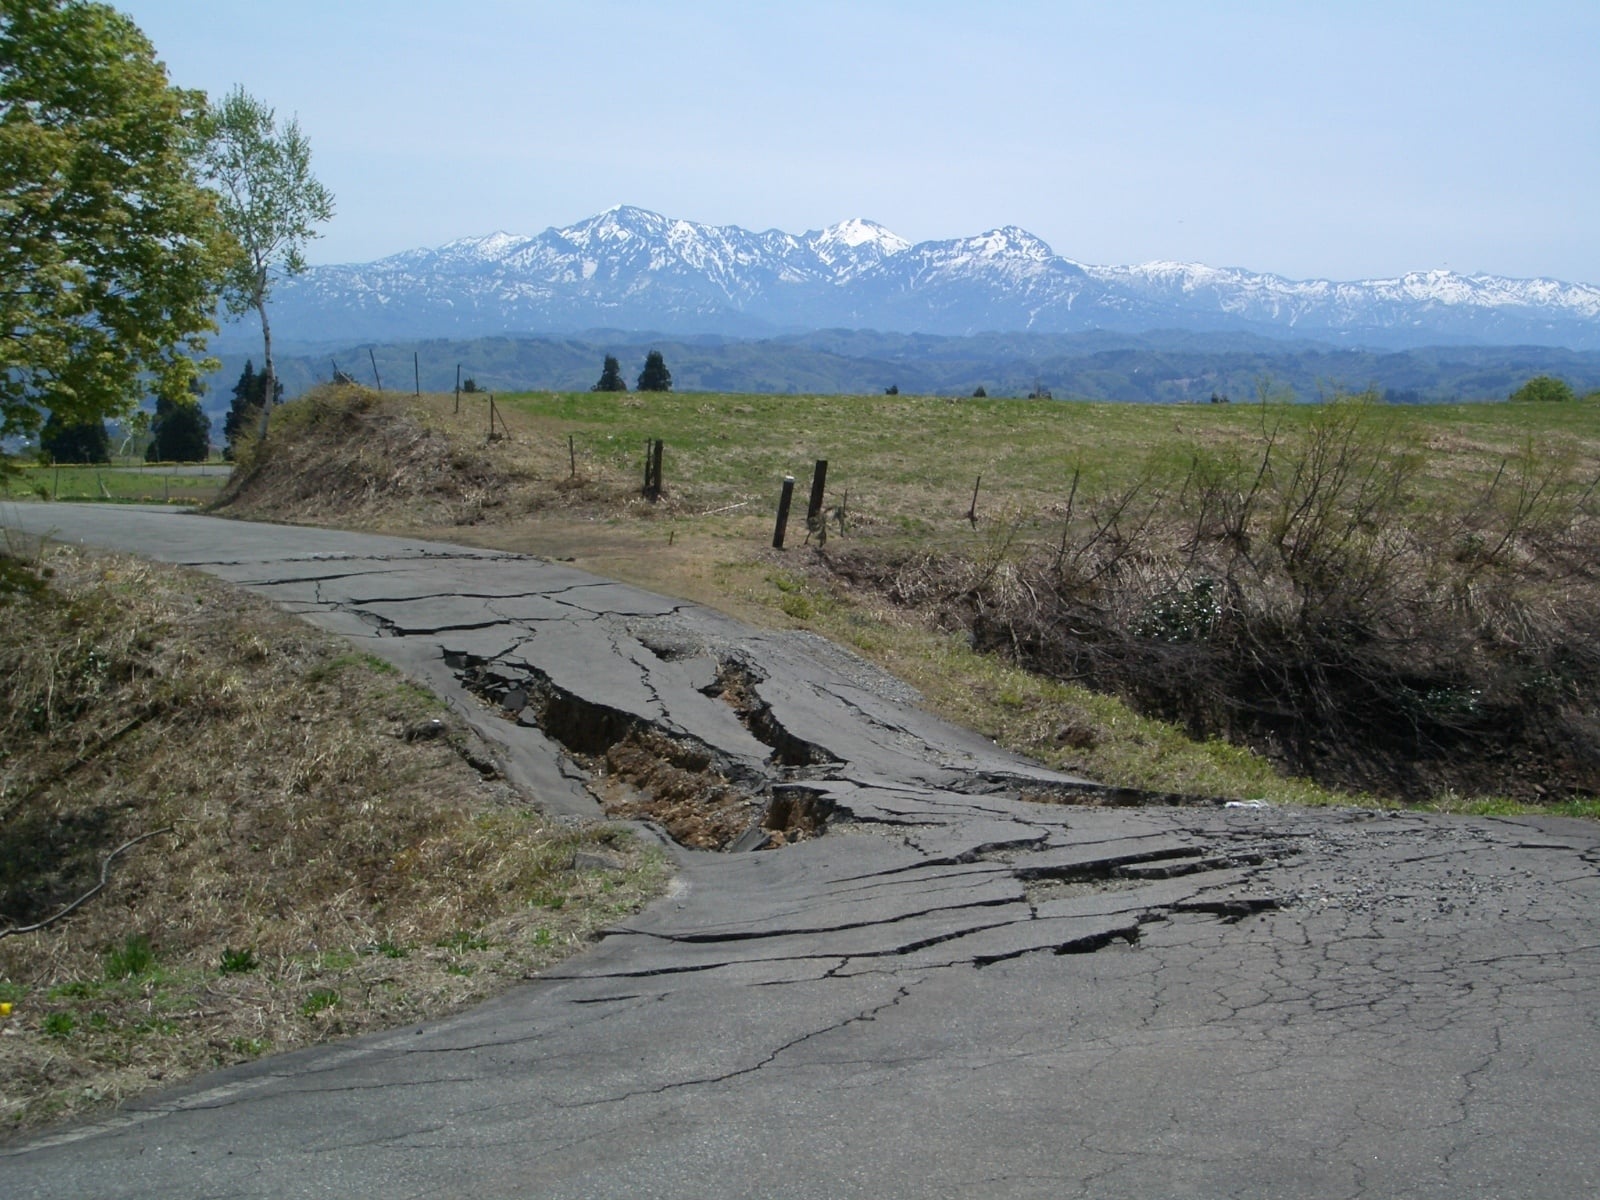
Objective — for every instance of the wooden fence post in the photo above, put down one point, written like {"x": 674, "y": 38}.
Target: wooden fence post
{"x": 652, "y": 468}
{"x": 819, "y": 480}
{"x": 783, "y": 512}
{"x": 373, "y": 358}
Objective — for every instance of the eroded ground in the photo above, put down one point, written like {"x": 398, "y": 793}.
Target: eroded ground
{"x": 927, "y": 984}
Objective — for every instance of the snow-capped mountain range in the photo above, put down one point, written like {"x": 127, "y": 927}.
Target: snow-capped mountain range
{"x": 628, "y": 268}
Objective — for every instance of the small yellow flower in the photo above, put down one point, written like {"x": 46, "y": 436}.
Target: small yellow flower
{"x": 5, "y": 1008}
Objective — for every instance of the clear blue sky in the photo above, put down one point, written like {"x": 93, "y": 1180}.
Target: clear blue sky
{"x": 1343, "y": 139}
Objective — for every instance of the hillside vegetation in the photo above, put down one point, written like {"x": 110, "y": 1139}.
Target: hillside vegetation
{"x": 1393, "y": 602}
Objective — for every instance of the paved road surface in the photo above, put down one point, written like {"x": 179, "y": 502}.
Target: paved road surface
{"x": 952, "y": 993}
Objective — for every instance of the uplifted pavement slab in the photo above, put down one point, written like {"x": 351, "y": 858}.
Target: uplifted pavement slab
{"x": 949, "y": 991}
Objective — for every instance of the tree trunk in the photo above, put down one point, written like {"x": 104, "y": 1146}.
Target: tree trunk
{"x": 271, "y": 389}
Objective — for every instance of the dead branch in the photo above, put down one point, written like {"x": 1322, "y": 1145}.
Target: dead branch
{"x": 105, "y": 877}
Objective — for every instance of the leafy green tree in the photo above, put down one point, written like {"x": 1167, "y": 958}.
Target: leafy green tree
{"x": 249, "y": 394}
{"x": 111, "y": 251}
{"x": 270, "y": 202}
{"x": 655, "y": 377}
{"x": 611, "y": 376}
{"x": 74, "y": 441}
{"x": 182, "y": 431}
{"x": 1545, "y": 389}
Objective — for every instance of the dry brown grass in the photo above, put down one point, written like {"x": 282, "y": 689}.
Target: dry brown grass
{"x": 323, "y": 860}
{"x": 380, "y": 459}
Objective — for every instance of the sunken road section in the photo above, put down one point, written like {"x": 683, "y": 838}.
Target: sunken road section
{"x": 928, "y": 983}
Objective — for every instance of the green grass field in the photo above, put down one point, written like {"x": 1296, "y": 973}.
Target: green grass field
{"x": 126, "y": 483}
{"x": 911, "y": 462}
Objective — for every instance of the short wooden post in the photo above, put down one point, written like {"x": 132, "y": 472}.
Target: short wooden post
{"x": 783, "y": 512}
{"x": 652, "y": 468}
{"x": 572, "y": 455}
{"x": 458, "y": 388}
{"x": 416, "y": 372}
{"x": 819, "y": 481}
{"x": 373, "y": 358}
{"x": 972, "y": 509}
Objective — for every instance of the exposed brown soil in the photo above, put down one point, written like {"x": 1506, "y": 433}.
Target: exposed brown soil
{"x": 649, "y": 775}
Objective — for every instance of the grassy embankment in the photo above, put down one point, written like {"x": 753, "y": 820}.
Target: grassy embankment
{"x": 294, "y": 843}
{"x": 1187, "y": 552}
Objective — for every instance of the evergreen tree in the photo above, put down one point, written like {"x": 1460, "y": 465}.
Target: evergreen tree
{"x": 75, "y": 441}
{"x": 655, "y": 377}
{"x": 245, "y": 412}
{"x": 182, "y": 431}
{"x": 611, "y": 376}
{"x": 979, "y": 393}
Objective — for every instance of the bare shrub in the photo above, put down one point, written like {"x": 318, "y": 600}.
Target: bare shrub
{"x": 1316, "y": 599}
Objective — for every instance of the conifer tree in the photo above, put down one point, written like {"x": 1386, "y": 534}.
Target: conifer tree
{"x": 655, "y": 377}
{"x": 248, "y": 396}
{"x": 610, "y": 377}
{"x": 182, "y": 431}
{"x": 75, "y": 441}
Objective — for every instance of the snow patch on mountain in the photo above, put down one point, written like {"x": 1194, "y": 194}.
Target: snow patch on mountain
{"x": 629, "y": 267}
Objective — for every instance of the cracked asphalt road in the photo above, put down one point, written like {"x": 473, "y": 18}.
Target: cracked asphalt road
{"x": 953, "y": 992}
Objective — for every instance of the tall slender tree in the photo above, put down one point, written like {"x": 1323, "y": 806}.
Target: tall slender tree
{"x": 270, "y": 202}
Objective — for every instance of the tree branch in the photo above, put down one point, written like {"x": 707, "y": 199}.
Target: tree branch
{"x": 105, "y": 877}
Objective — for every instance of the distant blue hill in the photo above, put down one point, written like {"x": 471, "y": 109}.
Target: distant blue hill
{"x": 1168, "y": 367}
{"x": 632, "y": 269}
